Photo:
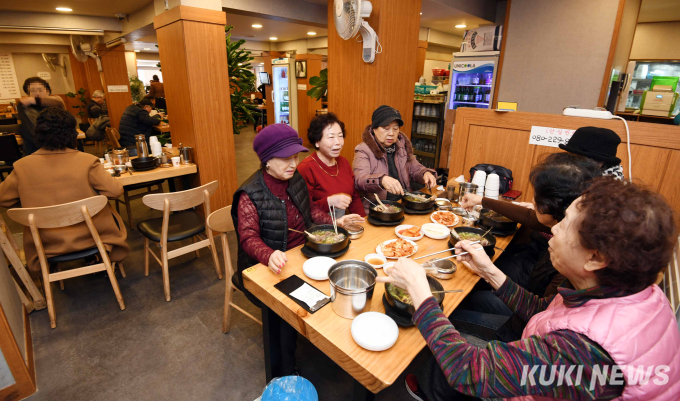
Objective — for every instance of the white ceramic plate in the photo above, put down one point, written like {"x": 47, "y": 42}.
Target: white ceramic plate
{"x": 317, "y": 268}
{"x": 443, "y": 211}
{"x": 378, "y": 249}
{"x": 374, "y": 331}
{"x": 428, "y": 229}
{"x": 404, "y": 227}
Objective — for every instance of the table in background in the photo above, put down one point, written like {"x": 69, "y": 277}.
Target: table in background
{"x": 162, "y": 127}
{"x": 81, "y": 136}
{"x": 645, "y": 118}
{"x": 156, "y": 174}
{"x": 372, "y": 371}
{"x": 263, "y": 114}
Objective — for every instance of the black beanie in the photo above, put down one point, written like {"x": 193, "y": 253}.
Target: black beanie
{"x": 384, "y": 115}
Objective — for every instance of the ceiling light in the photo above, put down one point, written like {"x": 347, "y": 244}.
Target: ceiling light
{"x": 273, "y": 38}
{"x": 421, "y": 13}
{"x": 261, "y": 63}
{"x": 257, "y": 26}
{"x": 147, "y": 48}
{"x": 310, "y": 33}
{"x": 136, "y": 51}
{"x": 64, "y": 9}
{"x": 461, "y": 26}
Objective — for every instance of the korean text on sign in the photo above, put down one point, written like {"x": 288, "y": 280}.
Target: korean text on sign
{"x": 546, "y": 136}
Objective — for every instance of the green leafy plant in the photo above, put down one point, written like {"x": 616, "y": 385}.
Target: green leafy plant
{"x": 319, "y": 85}
{"x": 136, "y": 88}
{"x": 164, "y": 138}
{"x": 80, "y": 95}
{"x": 241, "y": 82}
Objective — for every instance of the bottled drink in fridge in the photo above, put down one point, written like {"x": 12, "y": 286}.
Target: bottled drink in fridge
{"x": 475, "y": 79}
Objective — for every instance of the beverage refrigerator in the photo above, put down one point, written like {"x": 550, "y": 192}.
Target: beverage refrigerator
{"x": 284, "y": 91}
{"x": 473, "y": 77}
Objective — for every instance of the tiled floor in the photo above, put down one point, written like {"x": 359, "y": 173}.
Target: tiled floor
{"x": 158, "y": 350}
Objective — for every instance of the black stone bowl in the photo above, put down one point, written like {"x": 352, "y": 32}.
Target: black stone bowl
{"x": 387, "y": 217}
{"x": 408, "y": 310}
{"x": 417, "y": 205}
{"x": 489, "y": 249}
{"x": 497, "y": 225}
{"x": 326, "y": 249}
{"x": 143, "y": 163}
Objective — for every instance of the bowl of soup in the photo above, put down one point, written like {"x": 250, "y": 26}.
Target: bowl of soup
{"x": 324, "y": 240}
{"x": 400, "y": 300}
{"x": 488, "y": 240}
{"x": 391, "y": 211}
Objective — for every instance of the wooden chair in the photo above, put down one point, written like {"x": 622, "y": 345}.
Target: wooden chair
{"x": 65, "y": 215}
{"x": 112, "y": 137}
{"x": 178, "y": 226}
{"x": 221, "y": 221}
{"x": 669, "y": 279}
{"x": 127, "y": 198}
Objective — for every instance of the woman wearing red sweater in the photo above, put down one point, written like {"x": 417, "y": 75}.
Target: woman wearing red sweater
{"x": 329, "y": 176}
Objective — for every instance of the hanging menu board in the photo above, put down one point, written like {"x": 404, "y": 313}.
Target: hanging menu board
{"x": 9, "y": 87}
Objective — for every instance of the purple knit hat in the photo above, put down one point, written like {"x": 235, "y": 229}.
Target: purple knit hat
{"x": 277, "y": 140}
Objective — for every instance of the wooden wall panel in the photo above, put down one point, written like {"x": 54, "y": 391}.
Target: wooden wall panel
{"x": 307, "y": 106}
{"x": 355, "y": 88}
{"x": 78, "y": 70}
{"x": 486, "y": 136}
{"x": 196, "y": 59}
{"x": 420, "y": 59}
{"x": 115, "y": 73}
{"x": 94, "y": 80}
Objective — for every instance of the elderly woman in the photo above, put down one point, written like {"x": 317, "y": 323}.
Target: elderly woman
{"x": 384, "y": 163}
{"x": 267, "y": 206}
{"x": 590, "y": 340}
{"x": 329, "y": 176}
{"x": 57, "y": 174}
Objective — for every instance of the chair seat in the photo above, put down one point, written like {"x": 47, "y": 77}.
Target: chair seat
{"x": 67, "y": 257}
{"x": 142, "y": 185}
{"x": 181, "y": 226}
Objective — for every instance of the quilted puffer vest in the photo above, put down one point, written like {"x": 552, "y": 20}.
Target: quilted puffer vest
{"x": 272, "y": 214}
{"x": 636, "y": 330}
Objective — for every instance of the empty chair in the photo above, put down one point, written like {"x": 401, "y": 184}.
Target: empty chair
{"x": 66, "y": 215}
{"x": 186, "y": 223}
{"x": 221, "y": 221}
{"x": 112, "y": 137}
{"x": 127, "y": 198}
{"x": 9, "y": 153}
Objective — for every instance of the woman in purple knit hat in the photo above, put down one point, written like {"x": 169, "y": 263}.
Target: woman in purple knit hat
{"x": 269, "y": 203}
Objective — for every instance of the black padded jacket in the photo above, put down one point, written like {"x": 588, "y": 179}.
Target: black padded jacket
{"x": 136, "y": 121}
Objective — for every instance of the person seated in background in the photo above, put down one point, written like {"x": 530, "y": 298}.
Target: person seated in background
{"x": 599, "y": 144}
{"x": 610, "y": 333}
{"x": 137, "y": 120}
{"x": 155, "y": 89}
{"x": 557, "y": 181}
{"x": 97, "y": 105}
{"x": 329, "y": 176}
{"x": 266, "y": 209}
{"x": 57, "y": 174}
{"x": 29, "y": 107}
{"x": 384, "y": 163}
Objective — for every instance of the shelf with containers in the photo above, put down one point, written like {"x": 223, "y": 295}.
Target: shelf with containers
{"x": 428, "y": 129}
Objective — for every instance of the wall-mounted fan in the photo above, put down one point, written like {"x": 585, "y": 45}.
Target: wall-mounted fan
{"x": 82, "y": 50}
{"x": 52, "y": 61}
{"x": 349, "y": 20}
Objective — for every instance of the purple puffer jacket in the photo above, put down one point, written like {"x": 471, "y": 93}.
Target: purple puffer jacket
{"x": 370, "y": 165}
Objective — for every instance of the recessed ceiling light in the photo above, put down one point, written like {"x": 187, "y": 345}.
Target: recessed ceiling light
{"x": 273, "y": 38}
{"x": 421, "y": 13}
{"x": 64, "y": 9}
{"x": 461, "y": 26}
{"x": 310, "y": 33}
{"x": 257, "y": 26}
{"x": 261, "y": 63}
{"x": 147, "y": 48}
{"x": 136, "y": 51}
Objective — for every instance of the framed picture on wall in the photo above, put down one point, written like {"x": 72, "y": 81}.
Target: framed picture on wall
{"x": 301, "y": 69}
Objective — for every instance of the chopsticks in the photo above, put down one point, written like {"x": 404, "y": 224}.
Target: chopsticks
{"x": 450, "y": 249}
{"x": 446, "y": 292}
{"x": 300, "y": 232}
{"x": 331, "y": 208}
{"x": 369, "y": 201}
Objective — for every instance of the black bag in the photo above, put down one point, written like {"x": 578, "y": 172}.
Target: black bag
{"x": 503, "y": 173}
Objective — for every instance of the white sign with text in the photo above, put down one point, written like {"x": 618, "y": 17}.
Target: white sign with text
{"x": 118, "y": 88}
{"x": 552, "y": 137}
{"x": 44, "y": 75}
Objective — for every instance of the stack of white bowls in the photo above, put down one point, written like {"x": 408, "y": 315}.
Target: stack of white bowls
{"x": 156, "y": 148}
{"x": 479, "y": 179}
{"x": 492, "y": 186}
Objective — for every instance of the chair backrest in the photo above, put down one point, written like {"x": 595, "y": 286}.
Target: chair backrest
{"x": 10, "y": 128}
{"x": 112, "y": 136}
{"x": 221, "y": 221}
{"x": 63, "y": 215}
{"x": 181, "y": 200}
{"x": 90, "y": 120}
{"x": 9, "y": 148}
{"x": 671, "y": 279}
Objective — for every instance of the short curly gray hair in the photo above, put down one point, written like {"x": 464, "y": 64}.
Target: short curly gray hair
{"x": 97, "y": 94}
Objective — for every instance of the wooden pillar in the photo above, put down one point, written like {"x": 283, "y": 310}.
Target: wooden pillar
{"x": 420, "y": 59}
{"x": 193, "y": 54}
{"x": 79, "y": 75}
{"x": 269, "y": 88}
{"x": 356, "y": 88}
{"x": 307, "y": 106}
{"x": 114, "y": 70}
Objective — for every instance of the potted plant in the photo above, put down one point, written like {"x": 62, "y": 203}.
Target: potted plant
{"x": 81, "y": 106}
{"x": 241, "y": 82}
{"x": 319, "y": 85}
{"x": 136, "y": 88}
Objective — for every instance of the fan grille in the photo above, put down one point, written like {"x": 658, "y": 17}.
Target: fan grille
{"x": 347, "y": 23}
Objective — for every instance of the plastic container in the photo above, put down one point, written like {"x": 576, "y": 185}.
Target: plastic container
{"x": 424, "y": 89}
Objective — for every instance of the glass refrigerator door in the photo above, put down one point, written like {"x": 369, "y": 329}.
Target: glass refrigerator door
{"x": 472, "y": 83}
{"x": 281, "y": 94}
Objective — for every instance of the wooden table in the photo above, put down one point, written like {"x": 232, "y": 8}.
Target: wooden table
{"x": 372, "y": 371}
{"x": 162, "y": 127}
{"x": 158, "y": 173}
{"x": 81, "y": 136}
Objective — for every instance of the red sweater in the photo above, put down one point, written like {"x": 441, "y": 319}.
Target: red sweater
{"x": 321, "y": 183}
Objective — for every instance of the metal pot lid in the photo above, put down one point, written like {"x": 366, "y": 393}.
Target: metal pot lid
{"x": 445, "y": 266}
{"x": 354, "y": 229}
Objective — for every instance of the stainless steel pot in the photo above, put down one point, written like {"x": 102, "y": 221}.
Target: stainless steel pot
{"x": 185, "y": 154}
{"x": 352, "y": 283}
{"x": 465, "y": 188}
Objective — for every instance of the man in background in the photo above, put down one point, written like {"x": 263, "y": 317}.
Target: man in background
{"x": 97, "y": 105}
{"x": 138, "y": 120}
{"x": 39, "y": 97}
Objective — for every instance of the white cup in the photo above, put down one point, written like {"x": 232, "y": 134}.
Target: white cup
{"x": 175, "y": 161}
{"x": 128, "y": 164}
{"x": 102, "y": 160}
{"x": 108, "y": 165}
{"x": 168, "y": 145}
{"x": 153, "y": 139}
{"x": 479, "y": 175}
